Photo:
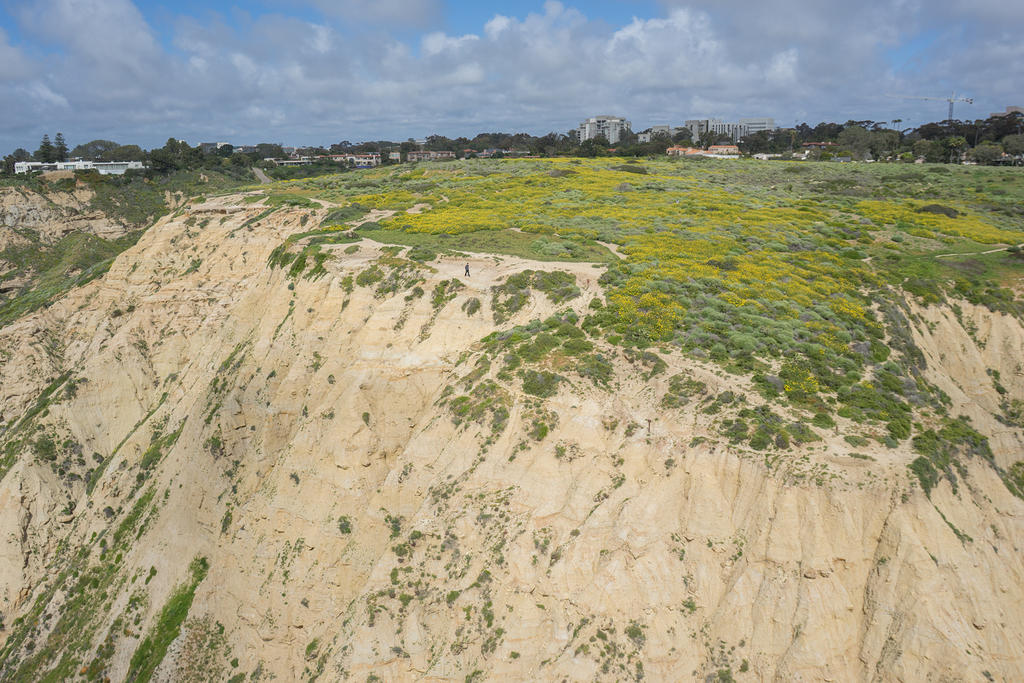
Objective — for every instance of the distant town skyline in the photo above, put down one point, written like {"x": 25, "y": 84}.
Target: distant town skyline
{"x": 319, "y": 71}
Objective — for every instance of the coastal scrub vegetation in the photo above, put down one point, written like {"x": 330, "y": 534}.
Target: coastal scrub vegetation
{"x": 797, "y": 276}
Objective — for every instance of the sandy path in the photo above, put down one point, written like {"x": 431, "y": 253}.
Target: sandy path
{"x": 978, "y": 253}
{"x": 485, "y": 270}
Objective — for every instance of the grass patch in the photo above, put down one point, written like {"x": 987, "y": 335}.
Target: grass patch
{"x": 151, "y": 650}
{"x": 53, "y": 270}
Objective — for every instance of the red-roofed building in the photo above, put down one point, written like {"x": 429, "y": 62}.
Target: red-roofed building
{"x": 683, "y": 151}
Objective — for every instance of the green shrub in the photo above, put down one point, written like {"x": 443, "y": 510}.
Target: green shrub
{"x": 510, "y": 296}
{"x": 151, "y": 650}
{"x": 343, "y": 215}
{"x": 597, "y": 369}
{"x": 941, "y": 453}
{"x": 471, "y": 306}
{"x": 823, "y": 420}
{"x": 421, "y": 254}
{"x": 540, "y": 382}
{"x": 370, "y": 276}
{"x": 681, "y": 388}
{"x": 1014, "y": 478}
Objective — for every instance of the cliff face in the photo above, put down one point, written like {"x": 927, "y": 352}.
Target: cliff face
{"x": 212, "y": 467}
{"x": 53, "y": 214}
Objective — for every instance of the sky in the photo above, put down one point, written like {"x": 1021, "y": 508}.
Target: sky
{"x": 304, "y": 72}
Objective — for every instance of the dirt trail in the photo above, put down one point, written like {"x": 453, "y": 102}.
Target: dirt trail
{"x": 614, "y": 248}
{"x": 978, "y": 253}
{"x": 486, "y": 270}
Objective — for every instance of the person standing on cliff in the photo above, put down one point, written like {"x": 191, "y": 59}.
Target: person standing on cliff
{"x": 467, "y": 270}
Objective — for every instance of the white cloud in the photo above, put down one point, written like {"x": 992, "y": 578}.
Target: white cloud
{"x": 14, "y": 65}
{"x": 42, "y": 93}
{"x": 496, "y": 26}
{"x": 279, "y": 77}
{"x": 418, "y": 13}
{"x": 437, "y": 42}
{"x": 111, "y": 33}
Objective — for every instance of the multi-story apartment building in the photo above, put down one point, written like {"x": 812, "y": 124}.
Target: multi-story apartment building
{"x": 429, "y": 155}
{"x": 699, "y": 127}
{"x": 358, "y": 160}
{"x": 1009, "y": 112}
{"x": 756, "y": 125}
{"x": 610, "y": 128}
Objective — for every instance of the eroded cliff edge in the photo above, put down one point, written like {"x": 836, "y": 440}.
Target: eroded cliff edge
{"x": 338, "y": 472}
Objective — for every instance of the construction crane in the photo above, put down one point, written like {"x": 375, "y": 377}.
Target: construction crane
{"x": 951, "y": 99}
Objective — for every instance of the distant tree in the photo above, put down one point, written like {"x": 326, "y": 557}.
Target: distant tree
{"x": 164, "y": 159}
{"x": 825, "y": 132}
{"x": 884, "y": 142}
{"x": 856, "y": 140}
{"x": 225, "y": 151}
{"x": 266, "y": 150}
{"x": 683, "y": 136}
{"x": 932, "y": 131}
{"x": 406, "y": 147}
{"x": 60, "y": 148}
{"x": 659, "y": 143}
{"x": 924, "y": 149}
{"x": 20, "y": 154}
{"x": 986, "y": 153}
{"x": 97, "y": 150}
{"x": 174, "y": 156}
{"x": 127, "y": 153}
{"x": 594, "y": 147}
{"x": 756, "y": 143}
{"x": 1013, "y": 144}
{"x": 954, "y": 145}
{"x": 438, "y": 143}
{"x": 367, "y": 148}
{"x": 45, "y": 153}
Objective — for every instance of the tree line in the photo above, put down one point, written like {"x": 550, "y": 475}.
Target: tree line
{"x": 984, "y": 141}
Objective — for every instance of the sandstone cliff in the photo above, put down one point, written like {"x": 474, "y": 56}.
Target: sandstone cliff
{"x": 54, "y": 213}
{"x": 332, "y": 476}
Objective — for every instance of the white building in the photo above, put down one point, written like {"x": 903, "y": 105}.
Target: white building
{"x": 610, "y": 128}
{"x": 717, "y": 126}
{"x": 358, "y": 160}
{"x": 756, "y": 125}
{"x": 430, "y": 155}
{"x": 211, "y": 147}
{"x": 104, "y": 167}
{"x": 298, "y": 161}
